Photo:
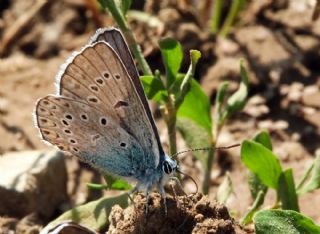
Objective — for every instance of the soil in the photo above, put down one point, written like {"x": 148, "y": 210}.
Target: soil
{"x": 194, "y": 213}
{"x": 280, "y": 44}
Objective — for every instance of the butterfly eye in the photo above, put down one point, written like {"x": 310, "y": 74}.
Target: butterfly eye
{"x": 166, "y": 167}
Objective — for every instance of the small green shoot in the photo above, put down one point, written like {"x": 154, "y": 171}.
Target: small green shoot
{"x": 314, "y": 181}
{"x": 197, "y": 126}
{"x": 223, "y": 28}
{"x": 225, "y": 189}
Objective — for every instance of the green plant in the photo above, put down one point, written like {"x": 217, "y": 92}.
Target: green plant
{"x": 219, "y": 25}
{"x": 197, "y": 126}
{"x": 266, "y": 172}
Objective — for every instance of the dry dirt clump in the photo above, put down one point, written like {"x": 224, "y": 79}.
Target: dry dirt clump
{"x": 186, "y": 214}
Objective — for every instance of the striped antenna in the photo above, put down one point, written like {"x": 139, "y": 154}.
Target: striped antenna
{"x": 204, "y": 148}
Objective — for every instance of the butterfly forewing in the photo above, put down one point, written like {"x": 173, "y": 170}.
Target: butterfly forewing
{"x": 116, "y": 40}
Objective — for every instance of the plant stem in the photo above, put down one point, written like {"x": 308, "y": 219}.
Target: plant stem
{"x": 305, "y": 177}
{"x": 134, "y": 47}
{"x": 171, "y": 121}
{"x": 232, "y": 14}
{"x": 255, "y": 206}
{"x": 216, "y": 16}
{"x": 216, "y": 127}
{"x": 207, "y": 176}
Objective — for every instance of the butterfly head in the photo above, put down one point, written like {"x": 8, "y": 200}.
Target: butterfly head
{"x": 169, "y": 166}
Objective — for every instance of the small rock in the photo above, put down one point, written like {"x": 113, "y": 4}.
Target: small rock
{"x": 32, "y": 181}
{"x": 225, "y": 69}
{"x": 273, "y": 125}
{"x": 4, "y": 105}
{"x": 256, "y": 106}
{"x": 290, "y": 151}
{"x": 226, "y": 47}
{"x": 258, "y": 40}
{"x": 311, "y": 96}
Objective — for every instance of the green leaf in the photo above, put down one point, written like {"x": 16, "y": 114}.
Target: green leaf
{"x": 93, "y": 214}
{"x": 287, "y": 191}
{"x": 154, "y": 88}
{"x": 255, "y": 185}
{"x": 194, "y": 121}
{"x": 195, "y": 55}
{"x": 172, "y": 57}
{"x": 284, "y": 221}
{"x": 264, "y": 139}
{"x": 195, "y": 137}
{"x": 258, "y": 190}
{"x": 258, "y": 202}
{"x": 262, "y": 162}
{"x": 314, "y": 181}
{"x": 116, "y": 183}
{"x": 225, "y": 189}
{"x": 238, "y": 100}
{"x": 196, "y": 107}
{"x": 219, "y": 102}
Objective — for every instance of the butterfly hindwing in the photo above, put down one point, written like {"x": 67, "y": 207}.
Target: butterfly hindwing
{"x": 80, "y": 129}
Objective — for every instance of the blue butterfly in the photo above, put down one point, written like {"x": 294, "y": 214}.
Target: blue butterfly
{"x": 101, "y": 115}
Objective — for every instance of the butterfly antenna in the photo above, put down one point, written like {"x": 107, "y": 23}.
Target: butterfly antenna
{"x": 204, "y": 148}
{"x": 189, "y": 177}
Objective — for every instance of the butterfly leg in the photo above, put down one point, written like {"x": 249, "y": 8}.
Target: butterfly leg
{"x": 131, "y": 192}
{"x": 175, "y": 195}
{"x": 163, "y": 196}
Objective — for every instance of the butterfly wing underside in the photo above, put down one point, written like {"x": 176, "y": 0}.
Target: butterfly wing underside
{"x": 114, "y": 37}
{"x": 98, "y": 115}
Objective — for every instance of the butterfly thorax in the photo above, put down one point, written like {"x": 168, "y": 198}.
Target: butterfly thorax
{"x": 158, "y": 176}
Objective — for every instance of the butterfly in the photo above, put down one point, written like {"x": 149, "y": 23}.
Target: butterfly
{"x": 100, "y": 114}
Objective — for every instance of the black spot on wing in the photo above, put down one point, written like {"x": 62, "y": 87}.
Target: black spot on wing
{"x": 121, "y": 104}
